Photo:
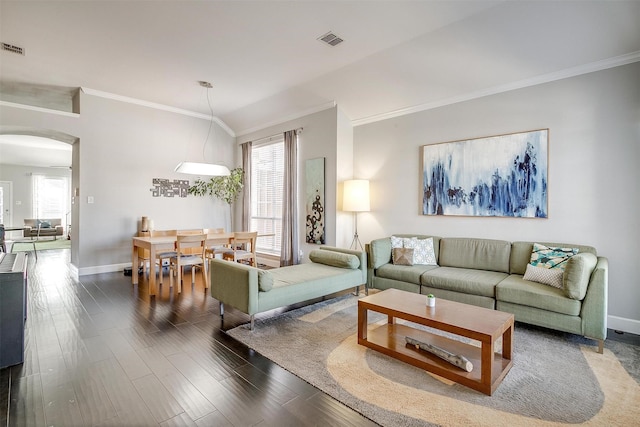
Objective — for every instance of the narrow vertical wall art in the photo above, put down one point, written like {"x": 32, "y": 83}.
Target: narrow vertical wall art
{"x": 504, "y": 175}
{"x": 314, "y": 174}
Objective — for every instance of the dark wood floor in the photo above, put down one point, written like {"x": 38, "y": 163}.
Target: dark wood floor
{"x": 101, "y": 352}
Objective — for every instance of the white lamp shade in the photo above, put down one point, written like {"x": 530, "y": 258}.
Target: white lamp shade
{"x": 209, "y": 169}
{"x": 356, "y": 196}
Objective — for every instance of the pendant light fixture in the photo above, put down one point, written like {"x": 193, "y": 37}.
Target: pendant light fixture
{"x": 196, "y": 168}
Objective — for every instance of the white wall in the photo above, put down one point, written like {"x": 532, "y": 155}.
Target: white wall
{"x": 594, "y": 152}
{"x": 121, "y": 148}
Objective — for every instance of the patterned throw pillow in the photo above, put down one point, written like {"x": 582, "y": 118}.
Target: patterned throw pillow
{"x": 396, "y": 242}
{"x": 543, "y": 256}
{"x": 403, "y": 256}
{"x": 547, "y": 276}
{"x": 553, "y": 260}
{"x": 424, "y": 253}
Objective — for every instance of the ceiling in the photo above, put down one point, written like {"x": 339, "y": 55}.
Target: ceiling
{"x": 266, "y": 64}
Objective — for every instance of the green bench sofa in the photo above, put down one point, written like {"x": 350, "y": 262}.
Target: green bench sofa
{"x": 252, "y": 290}
{"x": 489, "y": 273}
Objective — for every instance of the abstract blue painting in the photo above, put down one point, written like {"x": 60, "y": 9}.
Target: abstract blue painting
{"x": 504, "y": 175}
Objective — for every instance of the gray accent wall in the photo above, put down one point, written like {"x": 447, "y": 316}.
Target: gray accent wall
{"x": 594, "y": 153}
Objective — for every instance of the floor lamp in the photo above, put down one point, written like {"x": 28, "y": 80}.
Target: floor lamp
{"x": 356, "y": 199}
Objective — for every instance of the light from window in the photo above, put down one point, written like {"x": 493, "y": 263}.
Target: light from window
{"x": 267, "y": 172}
{"x": 50, "y": 197}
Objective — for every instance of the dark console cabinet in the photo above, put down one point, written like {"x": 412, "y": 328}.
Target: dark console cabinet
{"x": 13, "y": 307}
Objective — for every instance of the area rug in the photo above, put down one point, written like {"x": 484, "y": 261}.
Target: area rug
{"x": 41, "y": 245}
{"x": 556, "y": 378}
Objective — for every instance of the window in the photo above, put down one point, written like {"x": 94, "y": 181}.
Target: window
{"x": 267, "y": 171}
{"x": 50, "y": 197}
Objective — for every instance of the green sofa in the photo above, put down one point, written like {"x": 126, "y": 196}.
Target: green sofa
{"x": 252, "y": 290}
{"x": 489, "y": 273}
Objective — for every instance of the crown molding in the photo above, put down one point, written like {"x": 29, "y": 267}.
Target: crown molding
{"x": 39, "y": 109}
{"x": 312, "y": 110}
{"x": 115, "y": 97}
{"x": 591, "y": 67}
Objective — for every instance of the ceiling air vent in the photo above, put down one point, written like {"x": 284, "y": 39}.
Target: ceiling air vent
{"x": 11, "y": 48}
{"x": 331, "y": 39}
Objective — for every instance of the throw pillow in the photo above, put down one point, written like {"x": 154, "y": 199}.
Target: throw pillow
{"x": 334, "y": 259}
{"x": 397, "y": 242}
{"x": 44, "y": 224}
{"x": 543, "y": 256}
{"x": 577, "y": 275}
{"x": 547, "y": 276}
{"x": 403, "y": 256}
{"x": 265, "y": 280}
{"x": 424, "y": 253}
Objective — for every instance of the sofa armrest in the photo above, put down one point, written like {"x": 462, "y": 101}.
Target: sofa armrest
{"x": 234, "y": 284}
{"x": 27, "y": 231}
{"x": 379, "y": 252}
{"x": 362, "y": 256}
{"x": 59, "y": 230}
{"x": 594, "y": 305}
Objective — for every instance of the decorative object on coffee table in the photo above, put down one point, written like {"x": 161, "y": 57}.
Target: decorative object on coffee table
{"x": 431, "y": 300}
{"x": 455, "y": 359}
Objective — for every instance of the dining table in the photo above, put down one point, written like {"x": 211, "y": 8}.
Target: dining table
{"x": 165, "y": 243}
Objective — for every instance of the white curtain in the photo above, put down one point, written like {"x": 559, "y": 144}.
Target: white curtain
{"x": 289, "y": 247}
{"x": 246, "y": 190}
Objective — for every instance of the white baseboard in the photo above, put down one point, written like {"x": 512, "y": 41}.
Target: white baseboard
{"x": 623, "y": 324}
{"x": 102, "y": 269}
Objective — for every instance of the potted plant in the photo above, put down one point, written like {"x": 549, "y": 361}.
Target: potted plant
{"x": 431, "y": 300}
{"x": 225, "y": 188}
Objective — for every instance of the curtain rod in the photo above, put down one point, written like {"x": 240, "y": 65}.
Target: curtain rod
{"x": 277, "y": 135}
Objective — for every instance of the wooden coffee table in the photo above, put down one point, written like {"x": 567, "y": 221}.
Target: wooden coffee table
{"x": 477, "y": 323}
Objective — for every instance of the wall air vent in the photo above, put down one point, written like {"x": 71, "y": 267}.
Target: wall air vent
{"x": 331, "y": 39}
{"x": 14, "y": 49}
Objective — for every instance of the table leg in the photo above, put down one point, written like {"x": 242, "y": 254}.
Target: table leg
{"x": 362, "y": 323}
{"x": 152, "y": 274}
{"x": 134, "y": 265}
{"x": 507, "y": 342}
{"x": 486, "y": 367}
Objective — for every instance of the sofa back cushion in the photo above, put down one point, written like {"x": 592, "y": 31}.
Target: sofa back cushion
{"x": 521, "y": 253}
{"x": 478, "y": 254}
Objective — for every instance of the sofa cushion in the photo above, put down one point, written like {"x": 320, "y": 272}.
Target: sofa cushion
{"x": 465, "y": 280}
{"x": 265, "y": 280}
{"x": 514, "y": 289}
{"x": 402, "y": 256}
{"x": 404, "y": 273}
{"x": 577, "y": 275}
{"x": 477, "y": 254}
{"x": 547, "y": 276}
{"x": 334, "y": 259}
{"x": 521, "y": 253}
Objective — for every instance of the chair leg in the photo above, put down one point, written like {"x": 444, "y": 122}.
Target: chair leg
{"x": 205, "y": 272}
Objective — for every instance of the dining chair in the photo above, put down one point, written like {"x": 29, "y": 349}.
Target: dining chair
{"x": 197, "y": 242}
{"x": 243, "y": 247}
{"x": 211, "y": 252}
{"x": 166, "y": 254}
{"x": 191, "y": 231}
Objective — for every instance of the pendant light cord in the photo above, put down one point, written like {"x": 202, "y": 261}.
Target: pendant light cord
{"x": 204, "y": 146}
